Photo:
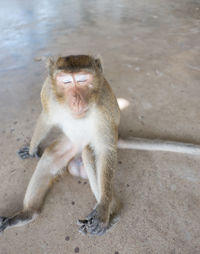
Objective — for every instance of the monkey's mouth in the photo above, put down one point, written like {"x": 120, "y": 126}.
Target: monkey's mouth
{"x": 80, "y": 113}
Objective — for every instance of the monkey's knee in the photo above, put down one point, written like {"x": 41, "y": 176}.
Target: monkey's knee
{"x": 19, "y": 219}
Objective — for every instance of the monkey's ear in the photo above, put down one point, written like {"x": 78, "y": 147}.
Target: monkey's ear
{"x": 50, "y": 64}
{"x": 99, "y": 65}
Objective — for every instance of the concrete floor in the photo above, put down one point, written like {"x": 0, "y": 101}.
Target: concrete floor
{"x": 151, "y": 54}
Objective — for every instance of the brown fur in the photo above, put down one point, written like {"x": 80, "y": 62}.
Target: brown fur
{"x": 77, "y": 63}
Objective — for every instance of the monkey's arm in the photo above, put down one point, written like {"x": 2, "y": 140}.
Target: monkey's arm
{"x": 42, "y": 128}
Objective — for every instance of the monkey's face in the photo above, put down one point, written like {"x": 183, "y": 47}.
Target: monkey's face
{"x": 76, "y": 80}
{"x": 74, "y": 89}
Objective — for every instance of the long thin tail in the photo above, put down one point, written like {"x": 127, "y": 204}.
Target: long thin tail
{"x": 158, "y": 145}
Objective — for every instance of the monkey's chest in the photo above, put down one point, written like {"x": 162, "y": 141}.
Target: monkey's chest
{"x": 79, "y": 131}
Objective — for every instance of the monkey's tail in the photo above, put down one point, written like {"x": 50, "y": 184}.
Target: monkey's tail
{"x": 158, "y": 145}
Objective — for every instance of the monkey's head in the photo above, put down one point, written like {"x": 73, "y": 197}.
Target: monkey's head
{"x": 76, "y": 80}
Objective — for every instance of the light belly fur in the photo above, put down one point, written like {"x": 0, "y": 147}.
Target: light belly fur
{"x": 79, "y": 130}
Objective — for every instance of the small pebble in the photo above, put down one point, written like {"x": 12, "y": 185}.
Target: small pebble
{"x": 79, "y": 181}
{"x": 67, "y": 238}
{"x": 127, "y": 185}
{"x": 73, "y": 202}
{"x": 120, "y": 162}
{"x": 76, "y": 250}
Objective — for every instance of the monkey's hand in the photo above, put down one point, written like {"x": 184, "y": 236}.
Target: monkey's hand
{"x": 4, "y": 222}
{"x": 96, "y": 223}
{"x": 24, "y": 153}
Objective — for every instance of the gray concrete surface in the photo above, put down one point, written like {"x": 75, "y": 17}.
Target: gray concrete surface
{"x": 151, "y": 57}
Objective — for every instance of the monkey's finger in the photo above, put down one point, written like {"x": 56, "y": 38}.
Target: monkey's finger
{"x": 24, "y": 149}
{"x": 4, "y": 222}
{"x": 24, "y": 152}
{"x": 24, "y": 156}
{"x": 2, "y": 219}
{"x": 81, "y": 222}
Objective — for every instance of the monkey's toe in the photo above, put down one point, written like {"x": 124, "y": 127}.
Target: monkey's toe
{"x": 96, "y": 227}
{"x": 93, "y": 227}
{"x": 83, "y": 229}
{"x": 4, "y": 222}
{"x": 93, "y": 224}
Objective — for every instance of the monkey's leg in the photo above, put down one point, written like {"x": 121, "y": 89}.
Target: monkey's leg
{"x": 54, "y": 158}
{"x": 90, "y": 168}
{"x": 41, "y": 130}
{"x": 97, "y": 222}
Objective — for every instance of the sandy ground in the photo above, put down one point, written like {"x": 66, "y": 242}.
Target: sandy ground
{"x": 151, "y": 55}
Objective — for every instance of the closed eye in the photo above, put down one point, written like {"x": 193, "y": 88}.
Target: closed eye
{"x": 67, "y": 79}
{"x": 83, "y": 80}
{"x": 66, "y": 82}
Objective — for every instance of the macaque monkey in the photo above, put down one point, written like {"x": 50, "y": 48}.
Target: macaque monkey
{"x": 77, "y": 99}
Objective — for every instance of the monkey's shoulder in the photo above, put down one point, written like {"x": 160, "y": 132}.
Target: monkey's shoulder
{"x": 107, "y": 103}
{"x": 45, "y": 95}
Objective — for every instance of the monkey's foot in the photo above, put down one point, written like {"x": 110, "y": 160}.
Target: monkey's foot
{"x": 24, "y": 153}
{"x": 93, "y": 224}
{"x": 18, "y": 219}
{"x": 4, "y": 222}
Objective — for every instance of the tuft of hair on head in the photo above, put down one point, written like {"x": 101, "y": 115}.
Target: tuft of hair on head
{"x": 98, "y": 61}
{"x": 76, "y": 63}
{"x": 99, "y": 65}
{"x": 50, "y": 65}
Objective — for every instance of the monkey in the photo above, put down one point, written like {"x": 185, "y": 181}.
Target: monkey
{"x": 77, "y": 98}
